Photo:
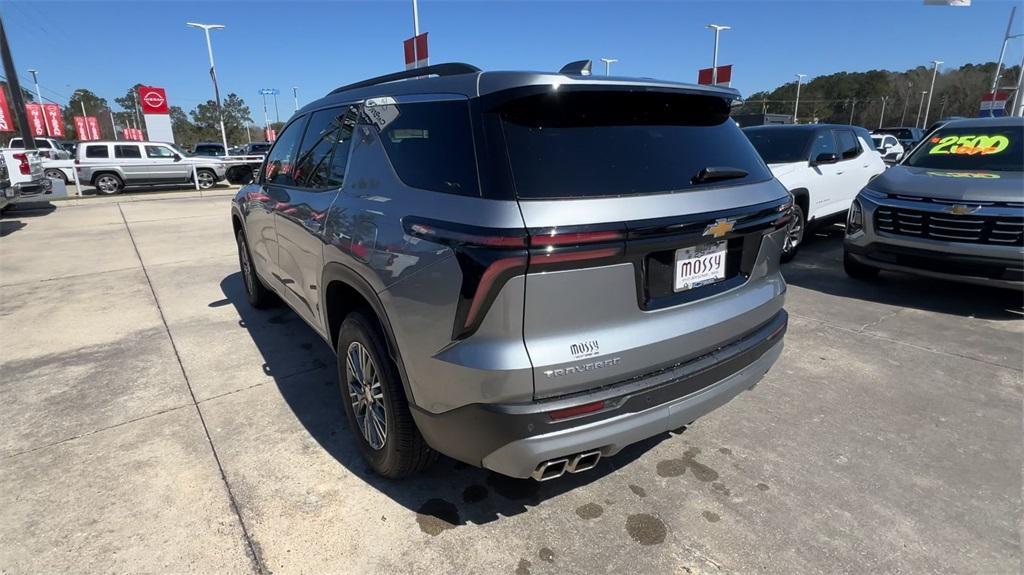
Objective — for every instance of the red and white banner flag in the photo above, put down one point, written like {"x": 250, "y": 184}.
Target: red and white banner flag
{"x": 36, "y": 122}
{"x": 6, "y": 123}
{"x": 723, "y": 79}
{"x": 81, "y": 128}
{"x": 54, "y": 120}
{"x": 94, "y": 127}
{"x": 271, "y": 135}
{"x": 416, "y": 52}
{"x": 127, "y": 133}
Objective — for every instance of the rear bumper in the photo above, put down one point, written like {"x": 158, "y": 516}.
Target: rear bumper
{"x": 513, "y": 439}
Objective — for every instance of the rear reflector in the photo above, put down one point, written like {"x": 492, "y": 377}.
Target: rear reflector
{"x": 577, "y": 410}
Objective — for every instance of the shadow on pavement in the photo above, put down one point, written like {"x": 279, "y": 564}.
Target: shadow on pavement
{"x": 819, "y": 266}
{"x": 12, "y": 218}
{"x": 447, "y": 495}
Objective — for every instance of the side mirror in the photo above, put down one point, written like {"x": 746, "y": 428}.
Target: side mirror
{"x": 177, "y": 157}
{"x": 825, "y": 158}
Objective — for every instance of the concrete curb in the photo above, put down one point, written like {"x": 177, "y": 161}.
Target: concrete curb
{"x": 120, "y": 198}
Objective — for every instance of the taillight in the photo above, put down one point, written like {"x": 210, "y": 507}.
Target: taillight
{"x": 576, "y": 411}
{"x": 23, "y": 166}
{"x": 490, "y": 257}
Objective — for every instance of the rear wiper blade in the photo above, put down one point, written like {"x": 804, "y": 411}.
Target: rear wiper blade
{"x": 716, "y": 173}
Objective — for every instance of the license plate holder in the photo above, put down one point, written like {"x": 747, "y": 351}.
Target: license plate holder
{"x": 700, "y": 265}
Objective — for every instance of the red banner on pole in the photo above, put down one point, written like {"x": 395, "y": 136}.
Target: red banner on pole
{"x": 81, "y": 128}
{"x": 54, "y": 120}
{"x": 416, "y": 51}
{"x": 5, "y": 113}
{"x": 139, "y": 135}
{"x": 36, "y": 122}
{"x": 724, "y": 75}
{"x": 271, "y": 134}
{"x": 94, "y": 127}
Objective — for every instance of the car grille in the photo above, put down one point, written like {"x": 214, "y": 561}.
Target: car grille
{"x": 968, "y": 228}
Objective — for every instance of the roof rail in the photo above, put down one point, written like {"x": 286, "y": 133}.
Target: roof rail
{"x": 447, "y": 69}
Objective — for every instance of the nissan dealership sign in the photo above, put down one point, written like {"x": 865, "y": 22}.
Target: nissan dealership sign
{"x": 157, "y": 113}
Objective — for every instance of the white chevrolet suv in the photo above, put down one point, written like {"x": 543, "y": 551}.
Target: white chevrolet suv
{"x": 824, "y": 166}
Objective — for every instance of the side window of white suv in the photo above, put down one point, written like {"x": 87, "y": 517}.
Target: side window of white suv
{"x": 848, "y": 146}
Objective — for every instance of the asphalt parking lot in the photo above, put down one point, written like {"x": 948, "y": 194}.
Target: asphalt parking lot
{"x": 153, "y": 422}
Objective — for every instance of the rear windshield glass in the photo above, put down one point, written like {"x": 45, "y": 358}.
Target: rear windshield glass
{"x": 780, "y": 145}
{"x": 592, "y": 144}
{"x": 994, "y": 148}
{"x": 208, "y": 150}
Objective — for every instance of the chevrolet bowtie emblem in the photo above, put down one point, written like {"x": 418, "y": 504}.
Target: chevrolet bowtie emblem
{"x": 961, "y": 210}
{"x": 719, "y": 228}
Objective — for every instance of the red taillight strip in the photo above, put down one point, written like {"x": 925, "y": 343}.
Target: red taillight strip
{"x": 554, "y": 238}
{"x": 574, "y": 256}
{"x": 486, "y": 284}
{"x": 446, "y": 235}
{"x": 576, "y": 410}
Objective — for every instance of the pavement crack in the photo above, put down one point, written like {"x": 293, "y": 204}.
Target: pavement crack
{"x": 864, "y": 327}
{"x": 251, "y": 545}
{"x": 860, "y": 331}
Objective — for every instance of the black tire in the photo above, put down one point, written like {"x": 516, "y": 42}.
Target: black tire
{"x": 54, "y": 173}
{"x": 116, "y": 184}
{"x": 403, "y": 450}
{"x": 857, "y": 270}
{"x": 256, "y": 293}
{"x": 795, "y": 234}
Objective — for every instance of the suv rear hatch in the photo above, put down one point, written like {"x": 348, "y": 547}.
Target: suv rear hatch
{"x": 645, "y": 211}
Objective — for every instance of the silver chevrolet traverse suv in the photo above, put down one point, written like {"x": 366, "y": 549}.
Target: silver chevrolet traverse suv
{"x": 524, "y": 271}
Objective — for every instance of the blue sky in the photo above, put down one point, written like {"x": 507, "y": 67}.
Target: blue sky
{"x": 109, "y": 46}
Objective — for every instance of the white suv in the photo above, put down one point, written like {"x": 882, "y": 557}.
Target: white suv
{"x": 824, "y": 166}
{"x": 111, "y": 166}
{"x": 48, "y": 148}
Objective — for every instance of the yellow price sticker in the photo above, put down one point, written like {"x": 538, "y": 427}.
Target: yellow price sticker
{"x": 969, "y": 145}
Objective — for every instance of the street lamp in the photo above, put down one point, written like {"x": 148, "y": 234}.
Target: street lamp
{"x": 881, "y": 118}
{"x": 608, "y": 65}
{"x": 714, "y": 58}
{"x": 796, "y": 107}
{"x": 39, "y": 95}
{"x": 935, "y": 71}
{"x": 213, "y": 75}
{"x": 917, "y": 121}
{"x": 295, "y": 94}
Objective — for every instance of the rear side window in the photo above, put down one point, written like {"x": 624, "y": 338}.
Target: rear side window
{"x": 127, "y": 152}
{"x": 280, "y": 165}
{"x": 97, "y": 152}
{"x": 324, "y": 153}
{"x": 565, "y": 144}
{"x": 848, "y": 146}
{"x": 430, "y": 145}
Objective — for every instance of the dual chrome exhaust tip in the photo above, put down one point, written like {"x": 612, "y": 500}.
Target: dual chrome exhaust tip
{"x": 555, "y": 468}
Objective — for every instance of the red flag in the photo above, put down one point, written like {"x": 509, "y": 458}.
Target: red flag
{"x": 5, "y": 113}
{"x": 36, "y": 123}
{"x": 416, "y": 51}
{"x": 94, "y": 128}
{"x": 139, "y": 135}
{"x": 54, "y": 120}
{"x": 127, "y": 133}
{"x": 724, "y": 75}
{"x": 271, "y": 135}
{"x": 81, "y": 128}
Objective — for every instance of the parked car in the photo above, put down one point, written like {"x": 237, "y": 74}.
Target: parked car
{"x": 110, "y": 166}
{"x": 257, "y": 148}
{"x": 47, "y": 148}
{"x": 25, "y": 174}
{"x": 954, "y": 209}
{"x": 822, "y": 165}
{"x": 888, "y": 146}
{"x": 8, "y": 193}
{"x": 907, "y": 136}
{"x": 524, "y": 271}
{"x": 211, "y": 149}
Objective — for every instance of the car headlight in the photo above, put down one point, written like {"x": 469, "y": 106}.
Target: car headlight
{"x": 854, "y": 218}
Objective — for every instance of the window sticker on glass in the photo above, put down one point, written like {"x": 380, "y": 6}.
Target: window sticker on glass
{"x": 381, "y": 111}
{"x": 969, "y": 145}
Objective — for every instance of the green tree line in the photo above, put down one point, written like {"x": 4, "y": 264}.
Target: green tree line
{"x": 856, "y": 97}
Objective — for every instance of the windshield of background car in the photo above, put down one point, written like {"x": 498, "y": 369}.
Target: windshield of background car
{"x": 993, "y": 148}
{"x": 209, "y": 151}
{"x": 878, "y": 142}
{"x": 574, "y": 144}
{"x": 780, "y": 145}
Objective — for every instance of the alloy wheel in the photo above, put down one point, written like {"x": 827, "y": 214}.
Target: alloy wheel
{"x": 366, "y": 395}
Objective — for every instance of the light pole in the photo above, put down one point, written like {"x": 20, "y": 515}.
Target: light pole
{"x": 714, "y": 57}
{"x": 608, "y": 65}
{"x": 415, "y": 34}
{"x": 213, "y": 75}
{"x": 295, "y": 94}
{"x": 1018, "y": 101}
{"x": 852, "y": 108}
{"x": 881, "y": 118}
{"x": 920, "y": 105}
{"x": 39, "y": 96}
{"x": 1002, "y": 52}
{"x": 277, "y": 111}
{"x": 935, "y": 71}
{"x": 796, "y": 106}
{"x": 906, "y": 102}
